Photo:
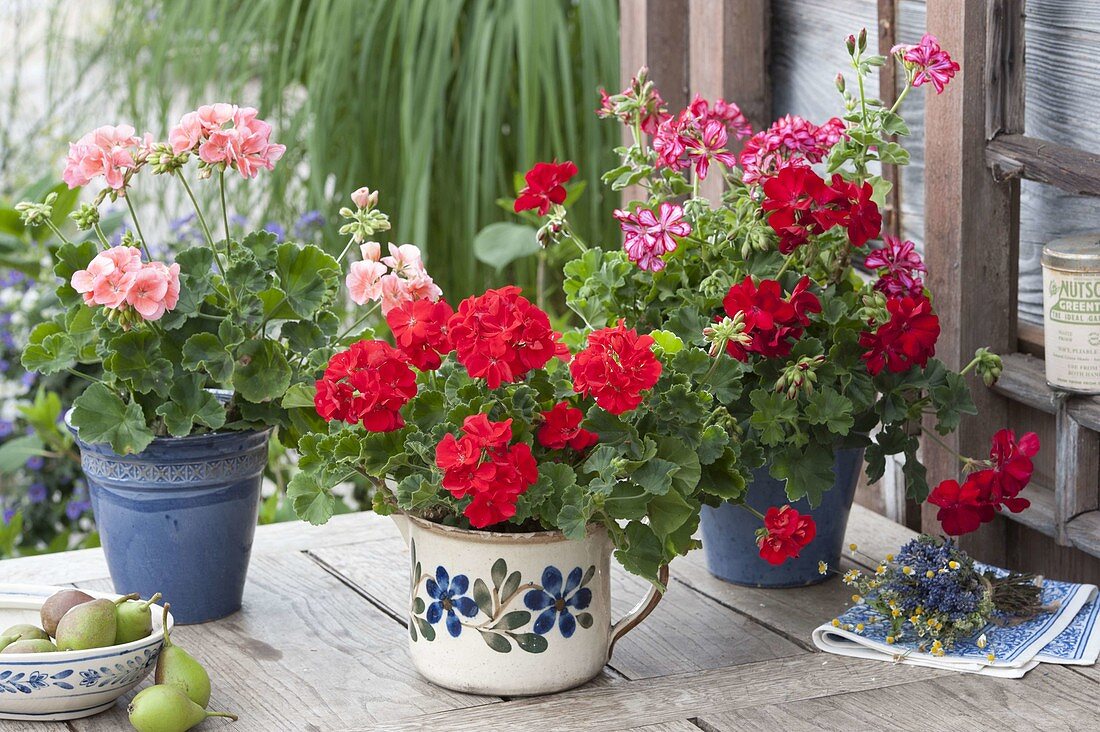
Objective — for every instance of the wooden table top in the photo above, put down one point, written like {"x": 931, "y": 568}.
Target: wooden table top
{"x": 320, "y": 645}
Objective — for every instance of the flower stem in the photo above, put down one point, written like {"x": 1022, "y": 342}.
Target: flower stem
{"x": 931, "y": 435}
{"x": 102, "y": 237}
{"x": 356, "y": 324}
{"x": 347, "y": 248}
{"x": 57, "y": 232}
{"x": 752, "y": 510}
{"x": 969, "y": 366}
{"x": 137, "y": 227}
{"x": 209, "y": 238}
{"x": 225, "y": 211}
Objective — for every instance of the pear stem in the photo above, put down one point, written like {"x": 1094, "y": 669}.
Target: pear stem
{"x": 127, "y": 598}
{"x": 227, "y": 715}
{"x": 151, "y": 600}
{"x": 164, "y": 625}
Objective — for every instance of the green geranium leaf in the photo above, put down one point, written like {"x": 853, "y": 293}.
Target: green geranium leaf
{"x": 312, "y": 498}
{"x": 827, "y": 407}
{"x": 723, "y": 477}
{"x": 299, "y": 396}
{"x": 261, "y": 371}
{"x": 190, "y": 404}
{"x": 714, "y": 442}
{"x": 668, "y": 512}
{"x": 307, "y": 275}
{"x": 203, "y": 351}
{"x": 669, "y": 342}
{"x": 50, "y": 350}
{"x": 655, "y": 475}
{"x": 196, "y": 278}
{"x": 773, "y": 413}
{"x": 14, "y": 452}
{"x": 502, "y": 243}
{"x": 808, "y": 473}
{"x": 689, "y": 471}
{"x": 613, "y": 430}
{"x": 102, "y": 416}
{"x": 135, "y": 357}
{"x": 642, "y": 552}
{"x": 303, "y": 336}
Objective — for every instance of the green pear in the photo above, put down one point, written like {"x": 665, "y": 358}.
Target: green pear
{"x": 88, "y": 625}
{"x": 24, "y": 631}
{"x": 176, "y": 667}
{"x": 30, "y": 646}
{"x": 59, "y": 603}
{"x": 134, "y": 620}
{"x": 167, "y": 709}
{"x": 7, "y": 640}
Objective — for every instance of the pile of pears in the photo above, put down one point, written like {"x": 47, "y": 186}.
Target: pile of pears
{"x": 76, "y": 621}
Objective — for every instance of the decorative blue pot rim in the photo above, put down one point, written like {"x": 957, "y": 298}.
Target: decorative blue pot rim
{"x": 494, "y": 537}
{"x": 160, "y": 444}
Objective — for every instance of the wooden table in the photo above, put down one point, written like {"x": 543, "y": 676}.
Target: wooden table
{"x": 321, "y": 645}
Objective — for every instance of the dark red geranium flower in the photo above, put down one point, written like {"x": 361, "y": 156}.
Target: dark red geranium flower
{"x": 420, "y": 328}
{"x": 545, "y": 186}
{"x": 908, "y": 339}
{"x": 771, "y": 322}
{"x": 794, "y": 196}
{"x": 482, "y": 465}
{"x": 859, "y": 214}
{"x": 1012, "y": 466}
{"x": 561, "y": 428}
{"x": 899, "y": 268}
{"x": 784, "y": 534}
{"x": 615, "y": 368}
{"x": 500, "y": 336}
{"x": 368, "y": 383}
{"x": 962, "y": 508}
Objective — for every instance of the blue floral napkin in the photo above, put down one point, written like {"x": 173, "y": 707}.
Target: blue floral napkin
{"x": 1066, "y": 635}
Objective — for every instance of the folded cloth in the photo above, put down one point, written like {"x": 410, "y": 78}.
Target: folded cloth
{"x": 1065, "y": 635}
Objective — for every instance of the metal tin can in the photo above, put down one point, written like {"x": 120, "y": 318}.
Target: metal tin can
{"x": 1071, "y": 312}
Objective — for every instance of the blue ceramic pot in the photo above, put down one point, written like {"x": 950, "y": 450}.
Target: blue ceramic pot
{"x": 729, "y": 531}
{"x": 179, "y": 517}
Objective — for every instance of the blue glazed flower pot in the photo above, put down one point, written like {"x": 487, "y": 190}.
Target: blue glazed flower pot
{"x": 179, "y": 517}
{"x": 729, "y": 531}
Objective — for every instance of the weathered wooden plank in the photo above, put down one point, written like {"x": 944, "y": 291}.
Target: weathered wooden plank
{"x": 971, "y": 206}
{"x": 89, "y": 564}
{"x": 305, "y": 652}
{"x": 1047, "y": 698}
{"x": 680, "y": 725}
{"x": 1024, "y": 380}
{"x": 1004, "y": 74}
{"x": 1068, "y": 168}
{"x": 654, "y": 33}
{"x": 1077, "y": 475}
{"x": 888, "y": 93}
{"x": 687, "y": 632}
{"x": 784, "y": 681}
{"x": 1084, "y": 532}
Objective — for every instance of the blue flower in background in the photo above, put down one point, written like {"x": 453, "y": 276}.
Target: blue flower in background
{"x": 28, "y": 379}
{"x": 276, "y": 229}
{"x": 37, "y": 493}
{"x": 4, "y": 365}
{"x": 238, "y": 220}
{"x": 557, "y": 602}
{"x": 308, "y": 223}
{"x": 76, "y": 509}
{"x": 7, "y": 339}
{"x": 6, "y": 428}
{"x": 449, "y": 595}
{"x": 35, "y": 462}
{"x": 9, "y": 514}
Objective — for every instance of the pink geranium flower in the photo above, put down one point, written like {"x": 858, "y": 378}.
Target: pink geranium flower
{"x": 900, "y": 268}
{"x": 229, "y": 136}
{"x": 364, "y": 281}
{"x": 106, "y": 151}
{"x": 147, "y": 291}
{"x": 932, "y": 64}
{"x": 649, "y": 236}
{"x": 711, "y": 145}
{"x": 790, "y": 138}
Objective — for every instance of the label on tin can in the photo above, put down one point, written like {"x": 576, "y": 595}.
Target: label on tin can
{"x": 1071, "y": 314}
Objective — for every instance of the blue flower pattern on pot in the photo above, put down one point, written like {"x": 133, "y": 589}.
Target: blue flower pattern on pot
{"x": 557, "y": 603}
{"x": 449, "y": 595}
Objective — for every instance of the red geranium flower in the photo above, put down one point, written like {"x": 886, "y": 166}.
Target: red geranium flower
{"x": 771, "y": 322}
{"x": 794, "y": 197}
{"x": 907, "y": 340}
{"x": 368, "y": 383}
{"x": 784, "y": 534}
{"x": 545, "y": 186}
{"x": 500, "y": 336}
{"x": 615, "y": 368}
{"x": 899, "y": 266}
{"x": 420, "y": 328}
{"x": 481, "y": 465}
{"x": 860, "y": 215}
{"x": 962, "y": 508}
{"x": 1012, "y": 466}
{"x": 561, "y": 427}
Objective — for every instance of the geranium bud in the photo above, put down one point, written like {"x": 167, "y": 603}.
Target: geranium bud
{"x": 840, "y": 83}
{"x": 862, "y": 40}
{"x": 850, "y": 43}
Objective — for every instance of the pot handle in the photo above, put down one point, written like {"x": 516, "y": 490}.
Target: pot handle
{"x": 640, "y": 611}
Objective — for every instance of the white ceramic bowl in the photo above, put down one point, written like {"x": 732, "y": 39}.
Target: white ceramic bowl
{"x": 67, "y": 684}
